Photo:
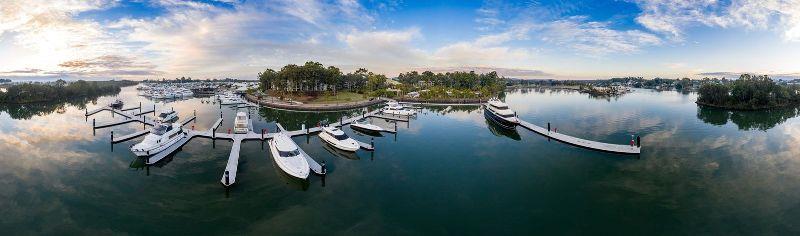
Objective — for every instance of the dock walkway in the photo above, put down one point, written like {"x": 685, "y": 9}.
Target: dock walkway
{"x": 607, "y": 147}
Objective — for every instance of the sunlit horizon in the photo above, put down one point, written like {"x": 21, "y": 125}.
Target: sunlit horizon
{"x": 107, "y": 39}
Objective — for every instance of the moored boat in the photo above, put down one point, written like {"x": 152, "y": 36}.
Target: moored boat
{"x": 162, "y": 136}
{"x": 288, "y": 156}
{"x": 338, "y": 139}
{"x": 498, "y": 111}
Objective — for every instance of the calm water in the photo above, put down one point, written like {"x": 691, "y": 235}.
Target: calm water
{"x": 447, "y": 172}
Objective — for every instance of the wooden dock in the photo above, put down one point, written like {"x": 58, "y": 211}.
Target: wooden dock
{"x": 606, "y": 147}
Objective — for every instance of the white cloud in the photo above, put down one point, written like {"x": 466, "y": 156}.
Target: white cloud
{"x": 672, "y": 17}
{"x": 595, "y": 38}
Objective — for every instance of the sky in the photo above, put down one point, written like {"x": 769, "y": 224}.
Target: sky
{"x": 558, "y": 39}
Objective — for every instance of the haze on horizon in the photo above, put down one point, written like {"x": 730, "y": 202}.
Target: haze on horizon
{"x": 580, "y": 39}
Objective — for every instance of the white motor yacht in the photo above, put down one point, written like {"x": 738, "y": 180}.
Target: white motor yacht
{"x": 162, "y": 136}
{"x": 241, "y": 123}
{"x": 288, "y": 156}
{"x": 498, "y": 111}
{"x": 337, "y": 138}
{"x": 116, "y": 104}
{"x": 367, "y": 127}
{"x": 396, "y": 109}
{"x": 167, "y": 116}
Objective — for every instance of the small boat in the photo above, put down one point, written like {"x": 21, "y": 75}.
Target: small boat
{"x": 241, "y": 123}
{"x": 116, "y": 104}
{"x": 396, "y": 109}
{"x": 367, "y": 127}
{"x": 498, "y": 111}
{"x": 336, "y": 137}
{"x": 288, "y": 156}
{"x": 162, "y": 136}
{"x": 167, "y": 116}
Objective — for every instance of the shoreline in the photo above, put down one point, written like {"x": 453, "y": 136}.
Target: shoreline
{"x": 314, "y": 107}
{"x": 444, "y": 101}
{"x": 745, "y": 109}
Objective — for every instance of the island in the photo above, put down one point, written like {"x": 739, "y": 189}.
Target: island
{"x": 749, "y": 92}
{"x": 312, "y": 86}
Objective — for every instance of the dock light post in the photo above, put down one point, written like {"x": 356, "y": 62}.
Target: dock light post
{"x": 220, "y": 114}
{"x": 548, "y": 126}
{"x": 94, "y": 124}
{"x": 638, "y": 141}
{"x": 262, "y": 135}
{"x": 112, "y": 136}
{"x": 372, "y": 143}
{"x": 154, "y": 108}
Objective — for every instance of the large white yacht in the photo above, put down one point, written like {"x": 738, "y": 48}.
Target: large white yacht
{"x": 241, "y": 123}
{"x": 167, "y": 116}
{"x": 337, "y": 138}
{"x": 288, "y": 156}
{"x": 162, "y": 136}
{"x": 498, "y": 111}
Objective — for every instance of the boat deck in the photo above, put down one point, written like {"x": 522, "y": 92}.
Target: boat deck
{"x": 607, "y": 147}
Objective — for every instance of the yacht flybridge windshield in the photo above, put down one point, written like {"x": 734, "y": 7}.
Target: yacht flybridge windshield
{"x": 161, "y": 129}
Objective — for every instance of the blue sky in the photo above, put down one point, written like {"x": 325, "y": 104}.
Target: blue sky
{"x": 525, "y": 39}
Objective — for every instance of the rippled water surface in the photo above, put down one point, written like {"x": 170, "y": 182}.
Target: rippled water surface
{"x": 448, "y": 171}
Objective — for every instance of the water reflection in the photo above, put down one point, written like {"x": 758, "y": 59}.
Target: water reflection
{"x": 502, "y": 132}
{"x": 340, "y": 153}
{"x": 747, "y": 120}
{"x": 29, "y": 110}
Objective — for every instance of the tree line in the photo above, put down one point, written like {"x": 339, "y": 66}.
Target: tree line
{"x": 314, "y": 77}
{"x": 60, "y": 91}
{"x": 748, "y": 92}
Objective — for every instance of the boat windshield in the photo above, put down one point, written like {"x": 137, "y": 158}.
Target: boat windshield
{"x": 343, "y": 136}
{"x": 241, "y": 125}
{"x": 508, "y": 115}
{"x": 161, "y": 129}
{"x": 289, "y": 153}
{"x": 164, "y": 114}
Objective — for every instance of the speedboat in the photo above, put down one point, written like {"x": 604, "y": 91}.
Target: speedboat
{"x": 116, "y": 104}
{"x": 288, "y": 156}
{"x": 367, "y": 127}
{"x": 336, "y": 137}
{"x": 498, "y": 111}
{"x": 162, "y": 136}
{"x": 240, "y": 124}
{"x": 167, "y": 116}
{"x": 397, "y": 109}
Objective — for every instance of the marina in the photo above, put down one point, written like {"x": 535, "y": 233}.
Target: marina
{"x": 231, "y": 168}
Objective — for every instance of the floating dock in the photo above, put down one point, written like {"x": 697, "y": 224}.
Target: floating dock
{"x": 231, "y": 168}
{"x": 606, "y": 147}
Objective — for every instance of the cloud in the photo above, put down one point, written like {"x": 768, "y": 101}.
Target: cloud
{"x": 672, "y": 17}
{"x": 595, "y": 38}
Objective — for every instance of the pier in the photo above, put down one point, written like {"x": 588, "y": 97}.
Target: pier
{"x": 606, "y": 147}
{"x": 231, "y": 168}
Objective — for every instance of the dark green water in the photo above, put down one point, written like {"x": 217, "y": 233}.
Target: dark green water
{"x": 702, "y": 171}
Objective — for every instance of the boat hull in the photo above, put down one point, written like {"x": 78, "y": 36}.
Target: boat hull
{"x": 285, "y": 166}
{"x": 157, "y": 149}
{"x": 500, "y": 121}
{"x": 337, "y": 144}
